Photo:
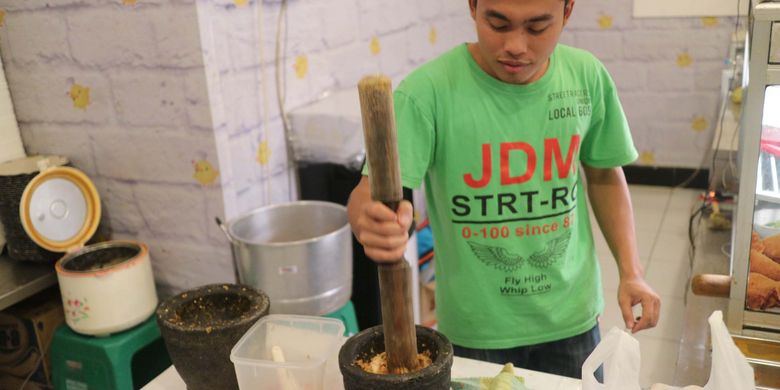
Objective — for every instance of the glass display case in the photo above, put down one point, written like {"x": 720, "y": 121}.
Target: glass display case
{"x": 754, "y": 301}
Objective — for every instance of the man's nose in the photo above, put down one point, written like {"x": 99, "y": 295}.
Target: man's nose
{"x": 516, "y": 44}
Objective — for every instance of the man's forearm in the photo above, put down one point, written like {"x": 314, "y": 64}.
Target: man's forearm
{"x": 611, "y": 202}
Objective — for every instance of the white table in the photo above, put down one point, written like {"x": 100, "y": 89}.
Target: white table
{"x": 461, "y": 368}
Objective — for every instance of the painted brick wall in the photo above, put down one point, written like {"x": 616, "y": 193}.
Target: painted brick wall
{"x": 119, "y": 87}
{"x": 181, "y": 89}
{"x": 151, "y": 98}
{"x": 667, "y": 72}
{"x": 330, "y": 44}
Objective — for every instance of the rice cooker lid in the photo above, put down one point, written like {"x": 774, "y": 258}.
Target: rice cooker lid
{"x": 60, "y": 208}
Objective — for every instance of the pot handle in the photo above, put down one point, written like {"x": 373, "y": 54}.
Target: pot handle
{"x": 224, "y": 229}
{"x": 236, "y": 266}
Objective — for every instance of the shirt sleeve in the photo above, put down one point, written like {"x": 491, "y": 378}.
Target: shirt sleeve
{"x": 415, "y": 128}
{"x": 608, "y": 142}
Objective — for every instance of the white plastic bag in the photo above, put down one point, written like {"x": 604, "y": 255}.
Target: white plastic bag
{"x": 730, "y": 370}
{"x": 619, "y": 352}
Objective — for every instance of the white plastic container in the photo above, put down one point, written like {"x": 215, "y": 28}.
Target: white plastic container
{"x": 766, "y": 222}
{"x": 287, "y": 352}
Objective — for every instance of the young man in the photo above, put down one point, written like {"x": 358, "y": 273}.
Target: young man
{"x": 497, "y": 131}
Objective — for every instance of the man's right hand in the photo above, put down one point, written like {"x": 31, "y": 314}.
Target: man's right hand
{"x": 383, "y": 232}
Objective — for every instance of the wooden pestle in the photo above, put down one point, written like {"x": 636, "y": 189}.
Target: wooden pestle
{"x": 376, "y": 106}
{"x": 711, "y": 285}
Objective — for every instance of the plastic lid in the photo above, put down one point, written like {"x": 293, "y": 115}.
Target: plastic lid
{"x": 60, "y": 209}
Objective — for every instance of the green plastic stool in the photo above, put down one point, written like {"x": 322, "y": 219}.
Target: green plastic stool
{"x": 347, "y": 315}
{"x": 126, "y": 360}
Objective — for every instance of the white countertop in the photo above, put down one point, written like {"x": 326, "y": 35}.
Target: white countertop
{"x": 461, "y": 368}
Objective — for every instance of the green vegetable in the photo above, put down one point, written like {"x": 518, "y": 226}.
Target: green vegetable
{"x": 505, "y": 380}
{"x": 775, "y": 224}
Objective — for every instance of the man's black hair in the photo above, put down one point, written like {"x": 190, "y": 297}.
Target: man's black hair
{"x": 565, "y": 2}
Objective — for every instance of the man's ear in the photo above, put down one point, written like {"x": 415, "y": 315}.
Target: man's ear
{"x": 473, "y": 8}
{"x": 568, "y": 9}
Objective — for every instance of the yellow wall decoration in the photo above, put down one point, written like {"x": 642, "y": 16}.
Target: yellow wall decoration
{"x": 684, "y": 60}
{"x": 605, "y": 21}
{"x": 2, "y": 17}
{"x": 241, "y": 3}
{"x": 699, "y": 124}
{"x": 375, "y": 47}
{"x": 263, "y": 153}
{"x": 80, "y": 96}
{"x": 129, "y": 2}
{"x": 205, "y": 173}
{"x": 710, "y": 21}
{"x": 301, "y": 66}
{"x": 647, "y": 157}
{"x": 433, "y": 36}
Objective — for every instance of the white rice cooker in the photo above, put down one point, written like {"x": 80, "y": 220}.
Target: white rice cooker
{"x": 107, "y": 287}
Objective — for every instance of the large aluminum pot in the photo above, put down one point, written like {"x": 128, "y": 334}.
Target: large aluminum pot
{"x": 299, "y": 253}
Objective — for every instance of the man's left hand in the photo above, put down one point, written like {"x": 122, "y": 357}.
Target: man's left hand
{"x": 634, "y": 291}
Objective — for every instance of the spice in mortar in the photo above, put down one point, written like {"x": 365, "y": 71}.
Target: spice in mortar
{"x": 378, "y": 363}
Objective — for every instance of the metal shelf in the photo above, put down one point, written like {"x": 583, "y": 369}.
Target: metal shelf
{"x": 19, "y": 280}
{"x": 768, "y": 196}
{"x": 773, "y": 75}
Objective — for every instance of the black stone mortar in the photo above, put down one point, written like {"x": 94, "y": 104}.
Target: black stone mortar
{"x": 202, "y": 325}
{"x": 370, "y": 342}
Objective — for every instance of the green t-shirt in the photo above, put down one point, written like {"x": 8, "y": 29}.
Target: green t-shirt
{"x": 515, "y": 260}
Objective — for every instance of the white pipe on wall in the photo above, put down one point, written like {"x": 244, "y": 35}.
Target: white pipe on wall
{"x": 11, "y": 148}
{"x": 10, "y": 140}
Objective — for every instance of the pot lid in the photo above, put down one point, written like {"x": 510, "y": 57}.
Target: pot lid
{"x": 60, "y": 208}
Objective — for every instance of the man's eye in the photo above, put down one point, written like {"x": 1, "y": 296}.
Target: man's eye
{"x": 498, "y": 27}
{"x": 534, "y": 31}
